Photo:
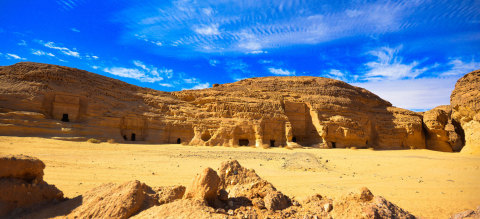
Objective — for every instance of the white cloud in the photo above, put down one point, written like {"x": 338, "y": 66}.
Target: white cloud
{"x": 75, "y": 30}
{"x": 144, "y": 73}
{"x": 201, "y": 86}
{"x": 213, "y": 62}
{"x": 42, "y": 53}
{"x": 423, "y": 93}
{"x": 191, "y": 80}
{"x": 460, "y": 67}
{"x": 14, "y": 56}
{"x": 279, "y": 71}
{"x": 211, "y": 29}
{"x": 22, "y": 43}
{"x": 64, "y": 50}
{"x": 389, "y": 65}
{"x": 166, "y": 85}
{"x": 336, "y": 74}
{"x": 95, "y": 67}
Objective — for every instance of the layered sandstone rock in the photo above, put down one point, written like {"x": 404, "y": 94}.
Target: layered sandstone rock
{"x": 465, "y": 101}
{"x": 54, "y": 101}
{"x": 22, "y": 186}
{"x": 443, "y": 133}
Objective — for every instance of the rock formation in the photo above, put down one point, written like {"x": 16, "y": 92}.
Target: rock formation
{"x": 54, "y": 101}
{"x": 442, "y": 132}
{"x": 465, "y": 101}
{"x": 22, "y": 186}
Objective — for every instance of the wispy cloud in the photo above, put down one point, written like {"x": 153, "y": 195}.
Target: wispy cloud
{"x": 460, "y": 67}
{"x": 211, "y": 29}
{"x": 42, "y": 53}
{"x": 68, "y": 4}
{"x": 22, "y": 43}
{"x": 254, "y": 26}
{"x": 336, "y": 74}
{"x": 75, "y": 30}
{"x": 423, "y": 93}
{"x": 279, "y": 71}
{"x": 200, "y": 86}
{"x": 13, "y": 56}
{"x": 388, "y": 64}
{"x": 64, "y": 50}
{"x": 213, "y": 62}
{"x": 143, "y": 73}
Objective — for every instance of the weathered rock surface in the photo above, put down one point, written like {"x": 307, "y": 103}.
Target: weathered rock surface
{"x": 442, "y": 131}
{"x": 22, "y": 186}
{"x": 237, "y": 193}
{"x": 465, "y": 101}
{"x": 204, "y": 186}
{"x": 363, "y": 204}
{"x": 115, "y": 201}
{"x": 262, "y": 112}
{"x": 473, "y": 214}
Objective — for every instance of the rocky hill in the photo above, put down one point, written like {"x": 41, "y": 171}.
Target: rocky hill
{"x": 54, "y": 101}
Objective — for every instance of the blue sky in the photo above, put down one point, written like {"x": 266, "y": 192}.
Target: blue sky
{"x": 409, "y": 52}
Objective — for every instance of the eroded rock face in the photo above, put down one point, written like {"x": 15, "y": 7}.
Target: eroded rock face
{"x": 22, "y": 186}
{"x": 204, "y": 186}
{"x": 465, "y": 101}
{"x": 48, "y": 100}
{"x": 363, "y": 204}
{"x": 115, "y": 201}
{"x": 443, "y": 133}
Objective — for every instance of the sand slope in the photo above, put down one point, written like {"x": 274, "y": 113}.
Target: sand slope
{"x": 426, "y": 183}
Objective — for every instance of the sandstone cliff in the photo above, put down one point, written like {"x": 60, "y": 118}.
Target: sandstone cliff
{"x": 465, "y": 101}
{"x": 54, "y": 101}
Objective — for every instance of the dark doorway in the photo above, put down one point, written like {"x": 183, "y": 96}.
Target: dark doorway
{"x": 179, "y": 140}
{"x": 272, "y": 143}
{"x": 125, "y": 137}
{"x": 294, "y": 139}
{"x": 133, "y": 137}
{"x": 65, "y": 118}
{"x": 243, "y": 142}
{"x": 334, "y": 145}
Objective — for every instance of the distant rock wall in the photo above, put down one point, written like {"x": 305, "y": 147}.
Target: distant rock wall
{"x": 54, "y": 101}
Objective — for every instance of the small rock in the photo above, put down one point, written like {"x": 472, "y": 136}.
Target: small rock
{"x": 230, "y": 212}
{"x": 276, "y": 201}
{"x": 327, "y": 207}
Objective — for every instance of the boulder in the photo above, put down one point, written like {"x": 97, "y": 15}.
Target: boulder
{"x": 115, "y": 201}
{"x": 22, "y": 186}
{"x": 276, "y": 201}
{"x": 21, "y": 167}
{"x": 204, "y": 186}
{"x": 363, "y": 204}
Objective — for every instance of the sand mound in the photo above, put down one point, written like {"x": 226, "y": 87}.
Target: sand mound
{"x": 185, "y": 208}
{"x": 22, "y": 186}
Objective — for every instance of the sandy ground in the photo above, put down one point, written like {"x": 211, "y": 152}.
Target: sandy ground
{"x": 427, "y": 183}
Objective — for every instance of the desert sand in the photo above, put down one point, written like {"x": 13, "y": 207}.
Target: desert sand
{"x": 426, "y": 183}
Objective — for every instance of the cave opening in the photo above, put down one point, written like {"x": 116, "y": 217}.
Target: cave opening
{"x": 334, "y": 145}
{"x": 272, "y": 143}
{"x": 243, "y": 142}
{"x": 65, "y": 118}
{"x": 133, "y": 137}
{"x": 125, "y": 137}
{"x": 294, "y": 139}
{"x": 179, "y": 140}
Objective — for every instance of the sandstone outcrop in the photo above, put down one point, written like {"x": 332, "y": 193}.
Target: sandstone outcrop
{"x": 22, "y": 186}
{"x": 54, "y": 101}
{"x": 237, "y": 193}
{"x": 442, "y": 132}
{"x": 205, "y": 186}
{"x": 465, "y": 101}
